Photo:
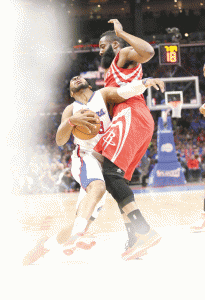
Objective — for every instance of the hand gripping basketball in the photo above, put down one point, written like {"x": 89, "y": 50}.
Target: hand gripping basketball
{"x": 87, "y": 124}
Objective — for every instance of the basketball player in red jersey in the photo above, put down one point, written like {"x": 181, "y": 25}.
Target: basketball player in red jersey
{"x": 130, "y": 133}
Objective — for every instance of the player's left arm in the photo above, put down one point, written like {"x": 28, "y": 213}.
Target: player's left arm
{"x": 140, "y": 51}
{"x": 136, "y": 87}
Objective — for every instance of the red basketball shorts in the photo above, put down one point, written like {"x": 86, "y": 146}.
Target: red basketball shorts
{"x": 128, "y": 137}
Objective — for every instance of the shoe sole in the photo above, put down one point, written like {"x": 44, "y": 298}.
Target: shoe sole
{"x": 81, "y": 244}
{"x": 85, "y": 246}
{"x": 137, "y": 251}
{"x": 144, "y": 251}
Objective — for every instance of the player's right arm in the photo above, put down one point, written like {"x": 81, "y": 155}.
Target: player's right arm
{"x": 68, "y": 118}
{"x": 136, "y": 87}
{"x": 140, "y": 50}
{"x": 65, "y": 129}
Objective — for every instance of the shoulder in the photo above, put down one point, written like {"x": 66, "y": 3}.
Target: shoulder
{"x": 68, "y": 108}
{"x": 131, "y": 55}
{"x": 68, "y": 111}
{"x": 125, "y": 52}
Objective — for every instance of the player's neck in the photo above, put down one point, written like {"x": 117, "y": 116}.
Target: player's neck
{"x": 83, "y": 96}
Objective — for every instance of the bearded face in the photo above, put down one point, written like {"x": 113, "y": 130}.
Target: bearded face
{"x": 107, "y": 58}
{"x": 79, "y": 86}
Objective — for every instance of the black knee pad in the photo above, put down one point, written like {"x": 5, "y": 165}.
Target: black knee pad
{"x": 118, "y": 188}
{"x": 116, "y": 185}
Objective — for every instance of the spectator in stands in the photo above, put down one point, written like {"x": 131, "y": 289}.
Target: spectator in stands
{"x": 203, "y": 165}
{"x": 194, "y": 168}
{"x": 183, "y": 165}
{"x": 201, "y": 136}
{"x": 66, "y": 183}
{"x": 188, "y": 150}
{"x": 182, "y": 154}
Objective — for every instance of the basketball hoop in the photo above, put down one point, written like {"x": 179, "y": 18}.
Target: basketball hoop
{"x": 176, "y": 107}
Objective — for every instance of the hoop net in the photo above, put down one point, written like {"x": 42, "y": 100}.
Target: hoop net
{"x": 176, "y": 107}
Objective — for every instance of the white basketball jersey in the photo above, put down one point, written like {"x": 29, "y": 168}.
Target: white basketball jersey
{"x": 96, "y": 103}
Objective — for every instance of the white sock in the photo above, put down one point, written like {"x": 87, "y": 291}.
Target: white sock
{"x": 79, "y": 225}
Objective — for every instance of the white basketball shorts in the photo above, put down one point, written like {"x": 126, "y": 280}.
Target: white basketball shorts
{"x": 85, "y": 169}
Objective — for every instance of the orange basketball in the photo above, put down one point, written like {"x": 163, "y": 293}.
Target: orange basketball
{"x": 81, "y": 132}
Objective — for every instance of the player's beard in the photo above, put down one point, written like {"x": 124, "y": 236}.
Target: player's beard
{"x": 79, "y": 87}
{"x": 107, "y": 58}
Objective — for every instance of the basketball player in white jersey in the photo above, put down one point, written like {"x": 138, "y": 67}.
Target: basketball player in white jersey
{"x": 86, "y": 163}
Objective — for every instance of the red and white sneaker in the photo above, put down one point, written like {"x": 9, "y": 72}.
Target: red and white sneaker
{"x": 130, "y": 243}
{"x": 143, "y": 243}
{"x": 79, "y": 241}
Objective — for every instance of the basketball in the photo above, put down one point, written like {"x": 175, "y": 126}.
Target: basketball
{"x": 81, "y": 132}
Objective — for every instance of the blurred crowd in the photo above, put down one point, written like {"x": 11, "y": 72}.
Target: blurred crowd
{"x": 50, "y": 171}
{"x": 50, "y": 166}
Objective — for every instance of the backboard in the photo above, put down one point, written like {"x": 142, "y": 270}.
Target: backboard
{"x": 185, "y": 89}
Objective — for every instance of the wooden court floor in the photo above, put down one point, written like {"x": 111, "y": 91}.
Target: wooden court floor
{"x": 53, "y": 214}
{"x": 174, "y": 269}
